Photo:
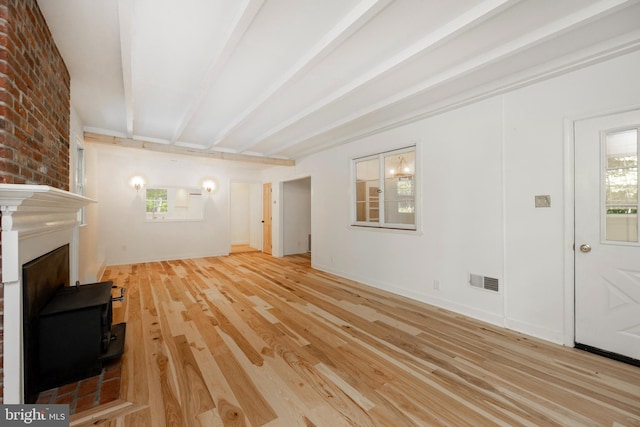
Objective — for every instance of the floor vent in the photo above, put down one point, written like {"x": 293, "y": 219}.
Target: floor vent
{"x": 484, "y": 282}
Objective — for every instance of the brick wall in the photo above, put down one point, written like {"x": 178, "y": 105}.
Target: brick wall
{"x": 34, "y": 107}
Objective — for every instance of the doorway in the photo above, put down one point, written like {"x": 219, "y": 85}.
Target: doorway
{"x": 607, "y": 243}
{"x": 244, "y": 217}
{"x": 296, "y": 213}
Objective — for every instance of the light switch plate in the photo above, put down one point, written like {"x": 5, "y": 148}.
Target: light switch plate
{"x": 543, "y": 201}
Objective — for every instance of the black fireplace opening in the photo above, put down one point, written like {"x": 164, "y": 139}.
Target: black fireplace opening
{"x": 42, "y": 278}
{"x": 68, "y": 331}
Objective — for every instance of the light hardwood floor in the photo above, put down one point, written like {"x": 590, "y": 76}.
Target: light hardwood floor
{"x": 236, "y": 249}
{"x": 253, "y": 340}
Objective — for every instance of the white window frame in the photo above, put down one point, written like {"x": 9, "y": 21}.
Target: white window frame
{"x": 80, "y": 172}
{"x": 186, "y": 207}
{"x": 381, "y": 224}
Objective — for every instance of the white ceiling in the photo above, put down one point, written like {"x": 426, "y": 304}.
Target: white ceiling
{"x": 288, "y": 78}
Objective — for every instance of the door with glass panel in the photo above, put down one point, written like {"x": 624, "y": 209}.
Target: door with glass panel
{"x": 607, "y": 249}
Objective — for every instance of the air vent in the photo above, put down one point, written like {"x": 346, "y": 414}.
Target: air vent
{"x": 484, "y": 282}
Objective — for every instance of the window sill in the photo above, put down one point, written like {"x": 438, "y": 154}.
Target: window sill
{"x": 409, "y": 231}
{"x": 173, "y": 220}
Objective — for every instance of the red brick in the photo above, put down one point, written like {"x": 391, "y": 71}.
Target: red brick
{"x": 110, "y": 390}
{"x": 68, "y": 388}
{"x": 85, "y": 402}
{"x": 88, "y": 386}
{"x": 65, "y": 399}
{"x": 35, "y": 88}
{"x": 112, "y": 370}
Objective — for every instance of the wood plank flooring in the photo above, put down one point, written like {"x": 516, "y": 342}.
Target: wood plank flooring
{"x": 251, "y": 340}
{"x": 236, "y": 249}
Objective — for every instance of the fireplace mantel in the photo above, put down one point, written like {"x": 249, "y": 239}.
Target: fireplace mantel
{"x": 33, "y": 209}
{"x": 35, "y": 220}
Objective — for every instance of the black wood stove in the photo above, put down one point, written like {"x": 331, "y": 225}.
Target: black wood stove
{"x": 76, "y": 335}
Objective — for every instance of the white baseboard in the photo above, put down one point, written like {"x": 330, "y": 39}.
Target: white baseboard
{"x": 465, "y": 310}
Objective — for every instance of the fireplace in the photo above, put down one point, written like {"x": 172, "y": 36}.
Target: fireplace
{"x": 36, "y": 219}
{"x": 76, "y": 335}
{"x": 67, "y": 330}
{"x": 41, "y": 278}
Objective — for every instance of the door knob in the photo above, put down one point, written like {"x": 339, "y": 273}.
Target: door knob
{"x": 585, "y": 248}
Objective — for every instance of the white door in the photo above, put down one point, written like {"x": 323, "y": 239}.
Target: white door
{"x": 607, "y": 249}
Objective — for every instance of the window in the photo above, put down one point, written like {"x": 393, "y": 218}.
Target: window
{"x": 80, "y": 175}
{"x": 157, "y": 204}
{"x": 385, "y": 190}
{"x": 173, "y": 204}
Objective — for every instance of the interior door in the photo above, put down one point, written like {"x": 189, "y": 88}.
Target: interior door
{"x": 607, "y": 250}
{"x": 266, "y": 218}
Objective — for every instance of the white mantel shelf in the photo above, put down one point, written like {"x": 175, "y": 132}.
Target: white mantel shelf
{"x": 30, "y": 200}
{"x": 34, "y": 217}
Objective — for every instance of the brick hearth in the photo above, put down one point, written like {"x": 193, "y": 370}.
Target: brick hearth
{"x": 87, "y": 393}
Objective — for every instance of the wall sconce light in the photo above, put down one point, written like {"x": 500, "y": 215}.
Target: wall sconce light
{"x": 209, "y": 185}
{"x": 137, "y": 182}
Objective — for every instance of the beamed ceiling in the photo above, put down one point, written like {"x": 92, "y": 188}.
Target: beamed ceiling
{"x": 287, "y": 78}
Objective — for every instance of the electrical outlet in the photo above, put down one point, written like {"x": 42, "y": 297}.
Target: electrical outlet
{"x": 436, "y": 285}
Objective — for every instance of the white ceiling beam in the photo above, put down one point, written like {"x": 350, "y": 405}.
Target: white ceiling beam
{"x": 174, "y": 149}
{"x": 237, "y": 30}
{"x": 357, "y": 17}
{"x": 464, "y": 22}
{"x": 125, "y": 20}
{"x": 592, "y": 55}
{"x": 510, "y": 48}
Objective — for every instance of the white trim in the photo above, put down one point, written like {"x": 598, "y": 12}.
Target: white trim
{"x": 555, "y": 336}
{"x": 466, "y": 310}
{"x": 504, "y": 288}
{"x": 381, "y": 157}
{"x": 569, "y": 232}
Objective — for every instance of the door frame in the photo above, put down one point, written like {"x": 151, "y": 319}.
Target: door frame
{"x": 270, "y": 221}
{"x": 280, "y": 205}
{"x": 282, "y": 231}
{"x": 569, "y": 215}
{"x": 255, "y": 201}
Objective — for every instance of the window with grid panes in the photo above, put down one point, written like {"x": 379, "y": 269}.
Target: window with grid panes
{"x": 385, "y": 190}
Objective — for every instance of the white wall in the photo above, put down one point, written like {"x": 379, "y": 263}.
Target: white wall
{"x": 123, "y": 231}
{"x": 296, "y": 216}
{"x": 535, "y": 163}
{"x": 91, "y": 256}
{"x": 481, "y": 166}
{"x": 246, "y": 213}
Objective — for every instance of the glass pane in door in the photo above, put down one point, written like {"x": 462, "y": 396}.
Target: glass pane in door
{"x": 621, "y": 186}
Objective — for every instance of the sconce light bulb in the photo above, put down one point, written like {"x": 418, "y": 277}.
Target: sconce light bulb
{"x": 137, "y": 182}
{"x": 209, "y": 186}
